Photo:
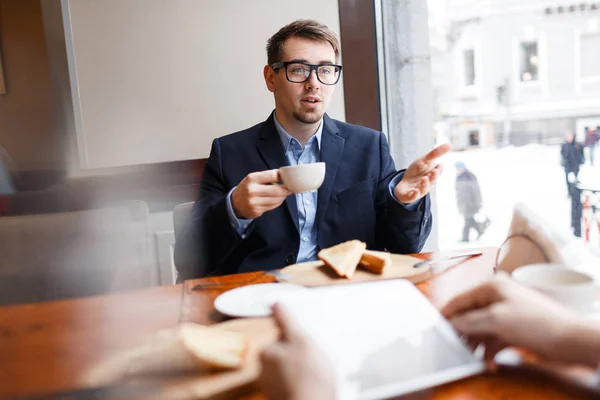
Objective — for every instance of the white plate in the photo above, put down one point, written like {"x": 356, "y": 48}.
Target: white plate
{"x": 254, "y": 300}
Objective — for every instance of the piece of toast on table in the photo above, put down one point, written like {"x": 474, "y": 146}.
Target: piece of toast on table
{"x": 375, "y": 261}
{"x": 344, "y": 257}
{"x": 188, "y": 348}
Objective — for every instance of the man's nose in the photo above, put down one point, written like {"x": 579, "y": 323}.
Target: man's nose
{"x": 313, "y": 81}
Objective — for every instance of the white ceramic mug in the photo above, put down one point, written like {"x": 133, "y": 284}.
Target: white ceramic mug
{"x": 304, "y": 177}
{"x": 571, "y": 288}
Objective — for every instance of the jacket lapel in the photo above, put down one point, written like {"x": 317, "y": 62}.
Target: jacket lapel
{"x": 332, "y": 146}
{"x": 270, "y": 149}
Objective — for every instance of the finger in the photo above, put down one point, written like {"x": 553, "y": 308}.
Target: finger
{"x": 273, "y": 354}
{"x": 282, "y": 186}
{"x": 424, "y": 186}
{"x": 288, "y": 326}
{"x": 267, "y": 355}
{"x": 272, "y": 359}
{"x": 481, "y": 296}
{"x": 493, "y": 346}
{"x": 263, "y": 177}
{"x": 473, "y": 342}
{"x": 268, "y": 191}
{"x": 267, "y": 202}
{"x": 433, "y": 177}
{"x": 476, "y": 322}
{"x": 437, "y": 168}
{"x": 260, "y": 210}
{"x": 502, "y": 276}
{"x": 437, "y": 153}
{"x": 435, "y": 174}
{"x": 427, "y": 168}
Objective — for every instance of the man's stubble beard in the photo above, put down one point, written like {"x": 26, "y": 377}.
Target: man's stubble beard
{"x": 311, "y": 118}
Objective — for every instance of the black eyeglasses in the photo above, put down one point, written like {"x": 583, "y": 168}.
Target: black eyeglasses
{"x": 299, "y": 72}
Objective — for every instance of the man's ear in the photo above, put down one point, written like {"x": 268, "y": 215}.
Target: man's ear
{"x": 269, "y": 74}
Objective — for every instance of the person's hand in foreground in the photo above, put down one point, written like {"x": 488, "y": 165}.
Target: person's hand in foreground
{"x": 501, "y": 313}
{"x": 293, "y": 368}
{"x": 420, "y": 176}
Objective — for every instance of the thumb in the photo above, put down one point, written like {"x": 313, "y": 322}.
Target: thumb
{"x": 287, "y": 324}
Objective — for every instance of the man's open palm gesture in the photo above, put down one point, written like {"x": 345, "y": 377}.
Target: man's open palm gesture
{"x": 420, "y": 176}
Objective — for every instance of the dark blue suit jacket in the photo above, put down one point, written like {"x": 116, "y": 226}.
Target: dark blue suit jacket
{"x": 353, "y": 203}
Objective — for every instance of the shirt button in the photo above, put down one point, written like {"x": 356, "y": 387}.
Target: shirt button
{"x": 307, "y": 201}
{"x": 305, "y": 239}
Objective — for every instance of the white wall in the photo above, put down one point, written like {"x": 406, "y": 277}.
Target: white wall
{"x": 158, "y": 80}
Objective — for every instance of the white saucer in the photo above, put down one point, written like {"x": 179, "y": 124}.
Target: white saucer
{"x": 254, "y": 300}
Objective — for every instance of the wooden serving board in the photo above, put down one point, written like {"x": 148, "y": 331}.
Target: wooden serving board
{"x": 217, "y": 385}
{"x": 316, "y": 273}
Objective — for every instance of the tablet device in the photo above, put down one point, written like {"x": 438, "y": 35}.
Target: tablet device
{"x": 384, "y": 339}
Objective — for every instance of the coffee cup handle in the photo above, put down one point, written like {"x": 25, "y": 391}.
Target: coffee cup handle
{"x": 281, "y": 184}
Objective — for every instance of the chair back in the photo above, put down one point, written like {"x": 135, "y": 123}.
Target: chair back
{"x": 181, "y": 216}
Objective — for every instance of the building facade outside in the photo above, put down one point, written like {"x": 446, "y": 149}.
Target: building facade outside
{"x": 514, "y": 71}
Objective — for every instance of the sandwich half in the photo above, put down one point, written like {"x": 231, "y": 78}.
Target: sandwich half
{"x": 375, "y": 261}
{"x": 344, "y": 257}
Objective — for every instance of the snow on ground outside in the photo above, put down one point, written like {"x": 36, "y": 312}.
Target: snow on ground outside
{"x": 530, "y": 174}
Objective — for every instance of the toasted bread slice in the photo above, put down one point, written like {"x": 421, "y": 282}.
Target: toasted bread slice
{"x": 344, "y": 257}
{"x": 375, "y": 261}
{"x": 189, "y": 348}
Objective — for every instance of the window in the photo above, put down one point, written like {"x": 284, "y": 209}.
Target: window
{"x": 473, "y": 138}
{"x": 590, "y": 56}
{"x": 529, "y": 61}
{"x": 469, "y": 60}
{"x": 506, "y": 134}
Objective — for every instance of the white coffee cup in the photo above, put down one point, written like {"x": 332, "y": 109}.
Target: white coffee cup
{"x": 571, "y": 288}
{"x": 304, "y": 177}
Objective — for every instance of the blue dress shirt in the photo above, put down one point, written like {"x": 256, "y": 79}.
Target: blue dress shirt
{"x": 306, "y": 202}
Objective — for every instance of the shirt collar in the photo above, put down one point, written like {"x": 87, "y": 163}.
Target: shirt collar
{"x": 286, "y": 138}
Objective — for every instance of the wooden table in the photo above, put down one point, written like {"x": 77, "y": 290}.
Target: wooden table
{"x": 48, "y": 347}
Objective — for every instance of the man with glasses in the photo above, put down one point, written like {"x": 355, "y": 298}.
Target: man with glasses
{"x": 240, "y": 222}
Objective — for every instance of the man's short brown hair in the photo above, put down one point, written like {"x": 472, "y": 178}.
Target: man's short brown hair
{"x": 304, "y": 28}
